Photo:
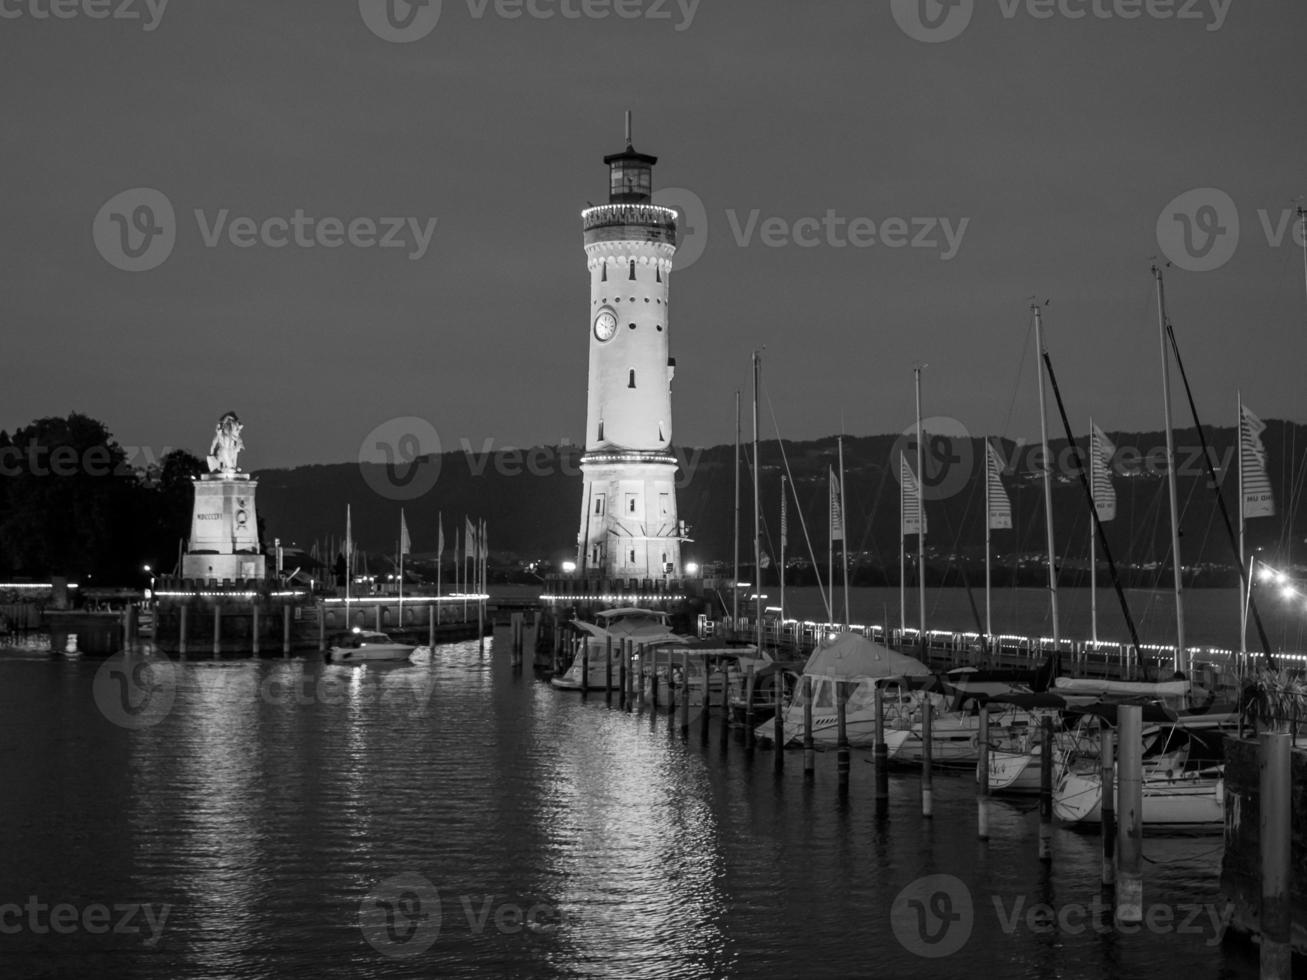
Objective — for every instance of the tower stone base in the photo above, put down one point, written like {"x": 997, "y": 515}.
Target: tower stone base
{"x": 224, "y": 530}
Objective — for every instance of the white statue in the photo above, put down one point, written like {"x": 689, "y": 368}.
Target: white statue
{"x": 226, "y": 445}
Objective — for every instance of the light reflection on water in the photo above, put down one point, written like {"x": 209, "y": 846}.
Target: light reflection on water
{"x": 277, "y": 794}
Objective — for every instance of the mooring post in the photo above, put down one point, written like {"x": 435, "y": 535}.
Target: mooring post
{"x": 653, "y": 680}
{"x": 685, "y": 693}
{"x": 706, "y": 703}
{"x": 181, "y": 635}
{"x": 749, "y": 683}
{"x": 778, "y": 719}
{"x": 841, "y": 743}
{"x": 982, "y": 789}
{"x": 1130, "y": 833}
{"x": 322, "y": 626}
{"x": 880, "y": 752}
{"x": 726, "y": 706}
{"x": 927, "y": 752}
{"x": 608, "y": 668}
{"x": 585, "y": 665}
{"x": 1107, "y": 773}
{"x": 377, "y": 610}
{"x": 254, "y": 625}
{"x": 1276, "y": 838}
{"x": 638, "y": 679}
{"x": 623, "y": 669}
{"x": 809, "y": 750}
{"x": 217, "y": 630}
{"x": 671, "y": 691}
{"x": 1046, "y": 789}
{"x": 431, "y": 630}
{"x": 285, "y": 630}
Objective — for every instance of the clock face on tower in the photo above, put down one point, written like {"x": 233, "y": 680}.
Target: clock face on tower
{"x": 605, "y": 325}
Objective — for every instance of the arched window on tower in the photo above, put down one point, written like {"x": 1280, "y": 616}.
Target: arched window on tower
{"x": 658, "y": 274}
{"x": 601, "y": 430}
{"x": 603, "y": 272}
{"x": 631, "y": 383}
{"x": 633, "y": 270}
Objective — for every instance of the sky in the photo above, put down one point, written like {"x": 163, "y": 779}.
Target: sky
{"x": 1025, "y": 150}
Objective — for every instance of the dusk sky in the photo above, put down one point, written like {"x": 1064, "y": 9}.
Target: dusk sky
{"x": 1049, "y": 146}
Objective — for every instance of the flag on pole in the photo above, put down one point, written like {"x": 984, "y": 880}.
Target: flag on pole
{"x": 472, "y": 549}
{"x": 1256, "y": 489}
{"x": 785, "y": 521}
{"x": 405, "y": 542}
{"x": 1101, "y": 452}
{"x": 1000, "y": 506}
{"x": 913, "y": 520}
{"x": 349, "y": 538}
{"x": 836, "y": 510}
{"x": 440, "y": 536}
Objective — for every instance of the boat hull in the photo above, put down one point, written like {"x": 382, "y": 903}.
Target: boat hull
{"x": 1183, "y": 802}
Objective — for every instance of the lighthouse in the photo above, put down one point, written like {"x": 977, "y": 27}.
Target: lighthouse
{"x": 629, "y": 528}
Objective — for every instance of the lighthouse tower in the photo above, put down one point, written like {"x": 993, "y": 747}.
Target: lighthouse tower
{"x": 629, "y": 527}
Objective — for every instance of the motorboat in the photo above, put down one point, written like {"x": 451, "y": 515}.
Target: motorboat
{"x": 613, "y": 627}
{"x": 365, "y": 646}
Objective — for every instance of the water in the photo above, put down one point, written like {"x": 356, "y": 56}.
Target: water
{"x": 275, "y": 798}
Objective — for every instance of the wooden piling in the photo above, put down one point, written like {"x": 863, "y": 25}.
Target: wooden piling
{"x": 431, "y": 630}
{"x": 726, "y": 706}
{"x": 653, "y": 680}
{"x": 841, "y": 743}
{"x": 608, "y": 668}
{"x": 623, "y": 674}
{"x": 1046, "y": 789}
{"x": 749, "y": 683}
{"x": 706, "y": 704}
{"x": 377, "y": 611}
{"x": 685, "y": 692}
{"x": 927, "y": 752}
{"x": 778, "y": 719}
{"x": 880, "y": 753}
{"x": 217, "y": 630}
{"x": 1107, "y": 773}
{"x": 181, "y": 635}
{"x": 322, "y": 627}
{"x": 1275, "y": 837}
{"x": 585, "y": 665}
{"x": 285, "y": 631}
{"x": 1129, "y": 841}
{"x": 982, "y": 794}
{"x": 809, "y": 752}
{"x": 254, "y": 626}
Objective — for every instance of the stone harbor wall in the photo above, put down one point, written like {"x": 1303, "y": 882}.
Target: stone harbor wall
{"x": 1241, "y": 866}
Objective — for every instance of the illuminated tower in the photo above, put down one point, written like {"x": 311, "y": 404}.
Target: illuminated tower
{"x": 629, "y": 527}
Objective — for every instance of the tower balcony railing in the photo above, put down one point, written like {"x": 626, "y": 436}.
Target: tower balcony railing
{"x": 651, "y": 217}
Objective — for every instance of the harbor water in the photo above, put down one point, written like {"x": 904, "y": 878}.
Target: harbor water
{"x": 292, "y": 818}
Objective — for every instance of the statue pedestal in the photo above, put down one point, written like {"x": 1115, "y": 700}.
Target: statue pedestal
{"x": 224, "y": 530}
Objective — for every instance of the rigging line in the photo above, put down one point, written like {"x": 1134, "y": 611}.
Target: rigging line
{"x": 803, "y": 524}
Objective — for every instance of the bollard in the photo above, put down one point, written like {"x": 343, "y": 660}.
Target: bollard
{"x": 1046, "y": 790}
{"x": 653, "y": 680}
{"x": 982, "y": 796}
{"x": 927, "y": 751}
{"x": 285, "y": 631}
{"x": 322, "y": 628}
{"x": 778, "y": 719}
{"x": 217, "y": 630}
{"x": 685, "y": 693}
{"x": 841, "y": 743}
{"x": 623, "y": 670}
{"x": 181, "y": 635}
{"x": 1275, "y": 838}
{"x": 881, "y": 754}
{"x": 608, "y": 668}
{"x": 1107, "y": 773}
{"x": 585, "y": 665}
{"x": 809, "y": 753}
{"x": 254, "y": 626}
{"x": 749, "y": 683}
{"x": 1129, "y": 838}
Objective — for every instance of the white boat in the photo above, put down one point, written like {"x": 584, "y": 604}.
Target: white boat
{"x": 367, "y": 646}
{"x": 647, "y": 626}
{"x": 954, "y": 735}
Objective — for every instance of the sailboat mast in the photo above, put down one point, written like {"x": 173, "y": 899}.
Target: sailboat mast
{"x": 1243, "y": 546}
{"x": 921, "y": 515}
{"x": 781, "y": 563}
{"x": 989, "y": 608}
{"x": 903, "y": 550}
{"x": 1177, "y": 561}
{"x": 735, "y": 582}
{"x": 1048, "y": 481}
{"x": 844, "y": 535}
{"x": 1093, "y": 543}
{"x": 757, "y": 535}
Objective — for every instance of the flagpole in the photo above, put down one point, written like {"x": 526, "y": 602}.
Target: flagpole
{"x": 989, "y": 608}
{"x": 1163, "y": 325}
{"x": 757, "y": 535}
{"x": 903, "y": 536}
{"x": 440, "y": 549}
{"x": 403, "y": 533}
{"x": 830, "y": 546}
{"x": 921, "y": 515}
{"x": 1048, "y": 482}
{"x": 1094, "y": 450}
{"x": 844, "y": 535}
{"x": 735, "y": 582}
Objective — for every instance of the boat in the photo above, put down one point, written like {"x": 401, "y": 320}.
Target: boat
{"x": 640, "y": 626}
{"x": 367, "y": 646}
{"x": 699, "y": 664}
{"x": 838, "y": 662}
